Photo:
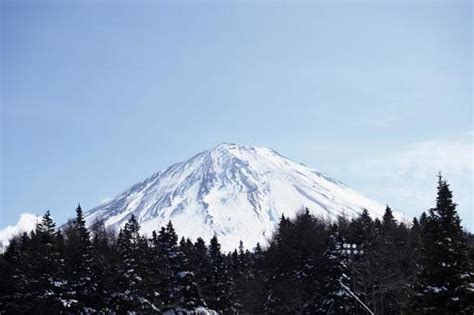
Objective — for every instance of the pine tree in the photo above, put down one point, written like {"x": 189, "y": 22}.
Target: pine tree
{"x": 199, "y": 261}
{"x": 82, "y": 284}
{"x": 14, "y": 276}
{"x": 388, "y": 221}
{"x": 280, "y": 260}
{"x": 168, "y": 264}
{"x": 105, "y": 266}
{"x": 445, "y": 281}
{"x": 423, "y": 219}
{"x": 362, "y": 230}
{"x": 241, "y": 274}
{"x": 132, "y": 249}
{"x": 43, "y": 283}
{"x": 292, "y": 261}
{"x": 217, "y": 292}
{"x": 303, "y": 270}
{"x": 392, "y": 252}
{"x": 336, "y": 281}
{"x": 366, "y": 267}
{"x": 186, "y": 290}
{"x": 154, "y": 281}
{"x": 188, "y": 296}
{"x": 255, "y": 295}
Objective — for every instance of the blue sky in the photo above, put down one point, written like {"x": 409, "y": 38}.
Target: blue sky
{"x": 96, "y": 96}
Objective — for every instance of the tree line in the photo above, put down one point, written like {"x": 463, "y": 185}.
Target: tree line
{"x": 309, "y": 266}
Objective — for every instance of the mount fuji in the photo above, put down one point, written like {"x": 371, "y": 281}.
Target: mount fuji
{"x": 236, "y": 192}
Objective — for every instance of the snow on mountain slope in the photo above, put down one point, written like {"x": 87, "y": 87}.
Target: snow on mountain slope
{"x": 237, "y": 192}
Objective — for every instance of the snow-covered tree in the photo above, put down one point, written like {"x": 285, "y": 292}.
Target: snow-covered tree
{"x": 218, "y": 289}
{"x": 445, "y": 281}
{"x": 130, "y": 295}
{"x": 336, "y": 281}
{"x": 46, "y": 285}
{"x": 81, "y": 280}
{"x": 15, "y": 277}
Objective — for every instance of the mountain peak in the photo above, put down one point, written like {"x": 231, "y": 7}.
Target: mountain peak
{"x": 226, "y": 145}
{"x": 235, "y": 147}
{"x": 244, "y": 151}
{"x": 237, "y": 192}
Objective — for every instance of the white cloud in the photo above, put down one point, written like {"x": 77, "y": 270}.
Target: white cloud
{"x": 423, "y": 159}
{"x": 406, "y": 179}
{"x": 26, "y": 223}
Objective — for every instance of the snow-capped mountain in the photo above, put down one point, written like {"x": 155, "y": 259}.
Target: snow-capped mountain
{"x": 237, "y": 192}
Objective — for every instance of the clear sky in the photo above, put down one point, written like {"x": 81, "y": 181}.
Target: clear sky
{"x": 96, "y": 96}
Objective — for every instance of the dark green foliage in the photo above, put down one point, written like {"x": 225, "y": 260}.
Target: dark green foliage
{"x": 445, "y": 281}
{"x": 78, "y": 253}
{"x": 132, "y": 248}
{"x": 218, "y": 289}
{"x": 106, "y": 261}
{"x": 292, "y": 259}
{"x": 254, "y": 288}
{"x": 168, "y": 264}
{"x": 13, "y": 281}
{"x": 309, "y": 267}
{"x": 37, "y": 270}
{"x": 199, "y": 261}
{"x": 336, "y": 277}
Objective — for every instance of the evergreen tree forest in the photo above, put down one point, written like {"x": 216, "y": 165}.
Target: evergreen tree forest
{"x": 310, "y": 266}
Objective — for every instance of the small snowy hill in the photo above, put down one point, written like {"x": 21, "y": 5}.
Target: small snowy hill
{"x": 237, "y": 192}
